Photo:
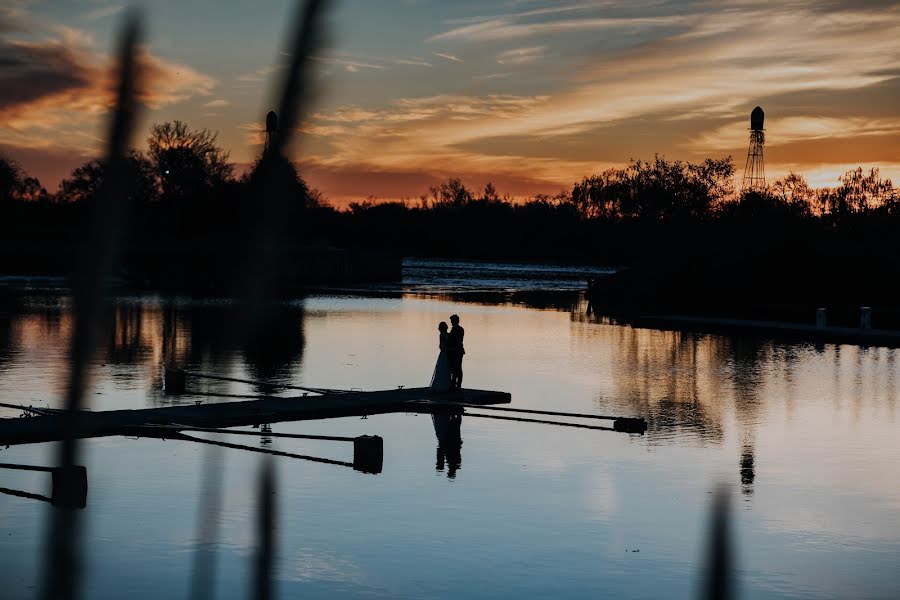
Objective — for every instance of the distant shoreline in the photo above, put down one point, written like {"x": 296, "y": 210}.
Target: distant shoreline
{"x": 889, "y": 338}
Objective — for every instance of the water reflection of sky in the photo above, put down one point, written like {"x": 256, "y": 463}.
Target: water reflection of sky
{"x": 806, "y": 435}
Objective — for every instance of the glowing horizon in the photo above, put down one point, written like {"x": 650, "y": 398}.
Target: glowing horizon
{"x": 529, "y": 94}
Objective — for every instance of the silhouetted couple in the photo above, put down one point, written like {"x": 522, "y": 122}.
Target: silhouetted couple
{"x": 448, "y": 372}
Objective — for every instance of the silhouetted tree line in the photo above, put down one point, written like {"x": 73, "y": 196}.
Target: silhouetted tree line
{"x": 777, "y": 253}
{"x": 646, "y": 211}
{"x": 675, "y": 219}
{"x": 185, "y": 203}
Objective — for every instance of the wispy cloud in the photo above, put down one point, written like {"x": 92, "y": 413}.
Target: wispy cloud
{"x": 217, "y": 103}
{"x": 351, "y": 66}
{"x": 521, "y": 56}
{"x": 529, "y": 13}
{"x": 348, "y": 114}
{"x": 488, "y": 76}
{"x": 706, "y": 73}
{"x": 259, "y": 75}
{"x": 505, "y": 29}
{"x": 416, "y": 63}
{"x": 102, "y": 12}
{"x": 448, "y": 56}
{"x": 427, "y": 132}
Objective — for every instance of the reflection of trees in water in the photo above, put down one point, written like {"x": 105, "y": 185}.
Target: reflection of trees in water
{"x": 30, "y": 320}
{"x": 891, "y": 382}
{"x": 131, "y": 329}
{"x": 131, "y": 337}
{"x": 663, "y": 376}
{"x": 198, "y": 336}
{"x": 747, "y": 470}
{"x": 744, "y": 358}
{"x": 274, "y": 348}
{"x": 6, "y": 335}
{"x": 204, "y": 337}
{"x": 54, "y": 313}
{"x": 10, "y": 309}
{"x": 685, "y": 384}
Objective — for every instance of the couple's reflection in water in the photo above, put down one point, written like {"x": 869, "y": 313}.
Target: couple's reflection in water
{"x": 449, "y": 449}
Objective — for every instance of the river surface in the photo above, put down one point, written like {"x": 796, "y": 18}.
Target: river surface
{"x": 804, "y": 436}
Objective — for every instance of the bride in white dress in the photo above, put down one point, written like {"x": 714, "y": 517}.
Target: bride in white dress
{"x": 440, "y": 380}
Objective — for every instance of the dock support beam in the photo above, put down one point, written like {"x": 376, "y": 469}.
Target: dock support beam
{"x": 368, "y": 453}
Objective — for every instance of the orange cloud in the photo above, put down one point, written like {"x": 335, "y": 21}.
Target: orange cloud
{"x": 59, "y": 87}
{"x": 707, "y": 70}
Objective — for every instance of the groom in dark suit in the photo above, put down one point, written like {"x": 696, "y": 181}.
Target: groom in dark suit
{"x": 455, "y": 352}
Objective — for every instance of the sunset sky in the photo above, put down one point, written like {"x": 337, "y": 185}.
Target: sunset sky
{"x": 529, "y": 94}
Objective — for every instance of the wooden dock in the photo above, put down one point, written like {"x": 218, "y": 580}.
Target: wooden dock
{"x": 270, "y": 409}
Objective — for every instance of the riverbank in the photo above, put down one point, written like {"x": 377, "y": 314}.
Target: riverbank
{"x": 889, "y": 338}
{"x": 206, "y": 266}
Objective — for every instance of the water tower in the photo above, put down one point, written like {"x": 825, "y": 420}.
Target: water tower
{"x": 271, "y": 129}
{"x": 755, "y": 170}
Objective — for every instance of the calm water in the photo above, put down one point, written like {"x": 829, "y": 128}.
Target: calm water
{"x": 805, "y": 436}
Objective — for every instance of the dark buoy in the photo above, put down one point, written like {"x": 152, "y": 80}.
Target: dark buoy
{"x": 69, "y": 487}
{"x": 630, "y": 425}
{"x": 368, "y": 453}
{"x": 175, "y": 382}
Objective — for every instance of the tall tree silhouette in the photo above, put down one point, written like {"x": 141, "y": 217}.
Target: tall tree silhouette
{"x": 189, "y": 163}
{"x": 84, "y": 182}
{"x": 657, "y": 190}
{"x": 11, "y": 180}
{"x": 285, "y": 174}
{"x": 451, "y": 193}
{"x": 859, "y": 192}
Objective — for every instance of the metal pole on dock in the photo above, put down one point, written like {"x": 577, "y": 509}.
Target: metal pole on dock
{"x": 300, "y": 436}
{"x": 368, "y": 450}
{"x": 541, "y": 421}
{"x": 623, "y": 424}
{"x": 175, "y": 382}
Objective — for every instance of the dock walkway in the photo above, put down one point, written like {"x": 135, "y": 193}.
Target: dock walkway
{"x": 269, "y": 409}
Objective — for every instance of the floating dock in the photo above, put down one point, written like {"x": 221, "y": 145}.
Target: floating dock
{"x": 52, "y": 424}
